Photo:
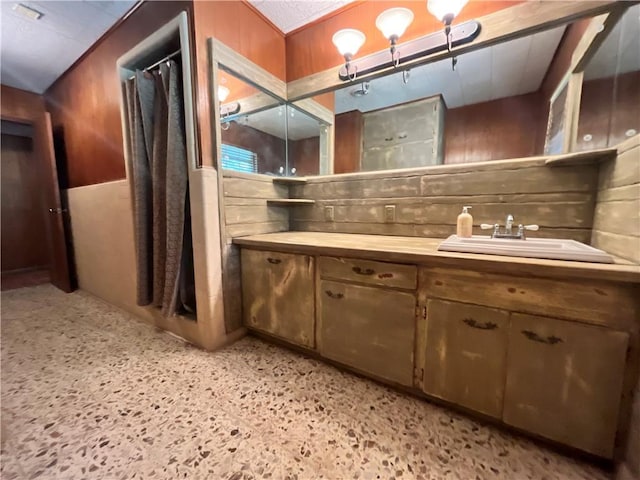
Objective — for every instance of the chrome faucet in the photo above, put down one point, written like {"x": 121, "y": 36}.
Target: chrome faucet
{"x": 508, "y": 225}
{"x": 508, "y": 229}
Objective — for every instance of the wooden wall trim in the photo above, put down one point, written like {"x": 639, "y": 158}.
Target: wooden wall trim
{"x": 20, "y": 105}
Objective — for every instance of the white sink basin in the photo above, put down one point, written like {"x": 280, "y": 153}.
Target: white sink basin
{"x": 532, "y": 248}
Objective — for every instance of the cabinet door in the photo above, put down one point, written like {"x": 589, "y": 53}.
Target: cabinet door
{"x": 407, "y": 155}
{"x": 564, "y": 381}
{"x": 465, "y": 359}
{"x": 368, "y": 328}
{"x": 278, "y": 295}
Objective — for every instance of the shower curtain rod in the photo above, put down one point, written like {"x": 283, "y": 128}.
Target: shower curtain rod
{"x": 168, "y": 57}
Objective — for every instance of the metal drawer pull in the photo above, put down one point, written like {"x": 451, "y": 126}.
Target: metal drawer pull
{"x": 337, "y": 296}
{"x": 274, "y": 261}
{"x": 482, "y": 326}
{"x": 552, "y": 340}
{"x": 388, "y": 139}
{"x": 365, "y": 271}
{"x": 402, "y": 136}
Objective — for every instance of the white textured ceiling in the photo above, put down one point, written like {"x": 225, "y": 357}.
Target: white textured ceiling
{"x": 288, "y": 15}
{"x": 504, "y": 70}
{"x": 34, "y": 53}
{"x": 620, "y": 51}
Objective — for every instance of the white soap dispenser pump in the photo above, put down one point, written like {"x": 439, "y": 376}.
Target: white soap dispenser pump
{"x": 465, "y": 223}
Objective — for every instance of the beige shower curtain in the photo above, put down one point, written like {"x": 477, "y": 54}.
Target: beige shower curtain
{"x": 159, "y": 177}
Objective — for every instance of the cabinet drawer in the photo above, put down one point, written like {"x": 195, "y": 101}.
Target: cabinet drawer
{"x": 278, "y": 294}
{"x": 366, "y": 271}
{"x": 465, "y": 358}
{"x": 564, "y": 381}
{"x": 368, "y": 328}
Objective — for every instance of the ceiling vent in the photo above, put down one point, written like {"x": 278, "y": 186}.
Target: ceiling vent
{"x": 27, "y": 11}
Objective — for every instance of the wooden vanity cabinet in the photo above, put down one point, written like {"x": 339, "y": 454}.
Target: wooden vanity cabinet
{"x": 466, "y": 355}
{"x": 368, "y": 327}
{"x": 544, "y": 355}
{"x": 278, "y": 294}
{"x": 564, "y": 381}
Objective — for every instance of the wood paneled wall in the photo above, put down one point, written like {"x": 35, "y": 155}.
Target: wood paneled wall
{"x": 616, "y": 223}
{"x": 19, "y": 105}
{"x": 349, "y": 128}
{"x": 246, "y": 213}
{"x": 609, "y": 107}
{"x": 270, "y": 149}
{"x": 85, "y": 102}
{"x": 310, "y": 50}
{"x": 23, "y": 230}
{"x": 427, "y": 201}
{"x": 239, "y": 26}
{"x": 562, "y": 58}
{"x": 304, "y": 155}
{"x": 512, "y": 127}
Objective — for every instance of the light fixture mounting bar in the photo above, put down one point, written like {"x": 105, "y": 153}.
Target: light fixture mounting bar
{"x": 419, "y": 47}
{"x": 229, "y": 109}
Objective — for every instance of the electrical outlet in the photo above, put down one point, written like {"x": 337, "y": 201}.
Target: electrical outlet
{"x": 389, "y": 213}
{"x": 328, "y": 214}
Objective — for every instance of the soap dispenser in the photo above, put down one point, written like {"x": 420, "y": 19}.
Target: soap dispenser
{"x": 465, "y": 223}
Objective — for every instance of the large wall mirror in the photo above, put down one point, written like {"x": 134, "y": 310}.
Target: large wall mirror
{"x": 488, "y": 107}
{"x": 493, "y": 105}
{"x": 260, "y": 132}
{"x": 610, "y": 99}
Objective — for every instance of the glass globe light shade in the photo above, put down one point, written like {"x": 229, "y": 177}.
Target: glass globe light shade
{"x": 445, "y": 9}
{"x": 394, "y": 22}
{"x": 348, "y": 41}
{"x": 223, "y": 93}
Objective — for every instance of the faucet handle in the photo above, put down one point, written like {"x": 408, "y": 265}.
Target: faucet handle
{"x": 533, "y": 228}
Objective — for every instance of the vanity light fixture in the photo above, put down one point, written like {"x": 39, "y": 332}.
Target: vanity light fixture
{"x": 348, "y": 41}
{"x": 226, "y": 109}
{"x": 393, "y": 23}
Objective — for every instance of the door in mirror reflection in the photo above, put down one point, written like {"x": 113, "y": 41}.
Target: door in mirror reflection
{"x": 610, "y": 100}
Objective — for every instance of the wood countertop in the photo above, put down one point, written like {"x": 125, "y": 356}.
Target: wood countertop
{"x": 424, "y": 251}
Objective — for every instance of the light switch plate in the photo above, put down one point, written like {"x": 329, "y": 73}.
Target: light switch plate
{"x": 328, "y": 214}
{"x": 389, "y": 213}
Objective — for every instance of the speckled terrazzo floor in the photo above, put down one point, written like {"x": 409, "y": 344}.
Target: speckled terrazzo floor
{"x": 88, "y": 392}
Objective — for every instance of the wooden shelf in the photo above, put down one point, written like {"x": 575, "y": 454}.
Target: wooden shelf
{"x": 581, "y": 158}
{"x": 290, "y": 180}
{"x": 290, "y": 202}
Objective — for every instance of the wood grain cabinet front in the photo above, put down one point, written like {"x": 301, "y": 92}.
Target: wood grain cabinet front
{"x": 564, "y": 381}
{"x": 278, "y": 294}
{"x": 370, "y": 272}
{"x": 465, "y": 361}
{"x": 369, "y": 329}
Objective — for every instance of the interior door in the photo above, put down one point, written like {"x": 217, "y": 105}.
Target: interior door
{"x": 59, "y": 269}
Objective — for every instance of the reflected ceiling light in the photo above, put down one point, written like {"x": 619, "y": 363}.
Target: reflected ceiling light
{"x": 223, "y": 93}
{"x": 393, "y": 23}
{"x": 227, "y": 109}
{"x": 348, "y": 41}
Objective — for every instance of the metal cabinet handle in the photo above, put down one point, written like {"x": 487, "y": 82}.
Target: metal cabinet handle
{"x": 388, "y": 139}
{"x": 552, "y": 340}
{"x": 337, "y": 296}
{"x": 481, "y": 326}
{"x": 274, "y": 261}
{"x": 363, "y": 271}
{"x": 403, "y": 135}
